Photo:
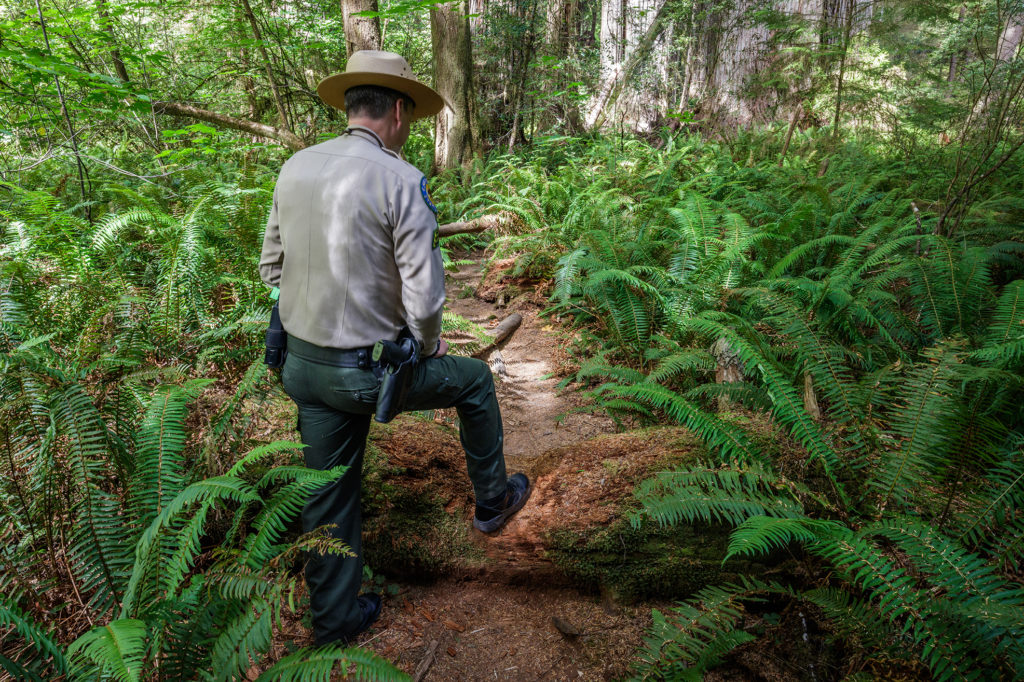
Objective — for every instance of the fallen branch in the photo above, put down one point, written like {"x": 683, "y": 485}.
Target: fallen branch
{"x": 500, "y": 333}
{"x": 425, "y": 662}
{"x": 476, "y": 225}
{"x": 285, "y": 137}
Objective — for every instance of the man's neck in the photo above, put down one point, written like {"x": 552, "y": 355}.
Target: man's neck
{"x": 380, "y": 129}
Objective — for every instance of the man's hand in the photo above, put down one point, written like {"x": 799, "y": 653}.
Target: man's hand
{"x": 442, "y": 349}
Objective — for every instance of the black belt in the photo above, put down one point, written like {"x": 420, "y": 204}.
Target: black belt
{"x": 336, "y": 357}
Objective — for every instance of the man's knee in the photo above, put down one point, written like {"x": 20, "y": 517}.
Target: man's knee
{"x": 478, "y": 376}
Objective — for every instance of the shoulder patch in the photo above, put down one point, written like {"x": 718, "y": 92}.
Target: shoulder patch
{"x": 426, "y": 196}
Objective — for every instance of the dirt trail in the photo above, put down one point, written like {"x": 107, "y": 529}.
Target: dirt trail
{"x": 493, "y": 631}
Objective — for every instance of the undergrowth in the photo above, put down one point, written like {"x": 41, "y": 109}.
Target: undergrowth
{"x": 145, "y": 536}
{"x": 890, "y": 353}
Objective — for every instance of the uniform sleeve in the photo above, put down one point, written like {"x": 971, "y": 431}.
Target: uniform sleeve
{"x": 272, "y": 256}
{"x": 418, "y": 258}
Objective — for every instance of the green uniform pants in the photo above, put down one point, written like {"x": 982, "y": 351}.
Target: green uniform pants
{"x": 335, "y": 407}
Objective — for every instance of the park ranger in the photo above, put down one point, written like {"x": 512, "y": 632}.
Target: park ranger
{"x": 352, "y": 244}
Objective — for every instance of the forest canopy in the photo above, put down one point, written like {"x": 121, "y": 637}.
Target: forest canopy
{"x": 792, "y": 227}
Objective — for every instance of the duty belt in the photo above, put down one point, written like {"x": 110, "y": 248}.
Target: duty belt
{"x": 336, "y": 357}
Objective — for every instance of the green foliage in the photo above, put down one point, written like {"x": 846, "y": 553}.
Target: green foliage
{"x": 180, "y": 565}
{"x": 830, "y": 287}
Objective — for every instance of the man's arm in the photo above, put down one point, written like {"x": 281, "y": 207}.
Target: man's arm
{"x": 272, "y": 256}
{"x": 418, "y": 258}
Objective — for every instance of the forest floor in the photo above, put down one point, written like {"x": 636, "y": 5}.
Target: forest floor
{"x": 486, "y": 628}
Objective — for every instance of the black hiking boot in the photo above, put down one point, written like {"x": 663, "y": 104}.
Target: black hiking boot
{"x": 492, "y": 514}
{"x": 369, "y": 610}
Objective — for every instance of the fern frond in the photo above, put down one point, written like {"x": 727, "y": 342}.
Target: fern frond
{"x": 727, "y": 494}
{"x": 117, "y": 649}
{"x": 45, "y": 643}
{"x": 729, "y": 440}
{"x": 761, "y": 534}
{"x": 922, "y": 426}
{"x": 788, "y": 405}
{"x": 316, "y": 665}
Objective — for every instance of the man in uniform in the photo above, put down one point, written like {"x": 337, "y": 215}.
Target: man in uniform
{"x": 352, "y": 244}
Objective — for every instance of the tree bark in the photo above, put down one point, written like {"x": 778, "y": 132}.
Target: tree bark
{"x": 504, "y": 330}
{"x": 624, "y": 74}
{"x": 847, "y": 33}
{"x": 574, "y": 530}
{"x": 1009, "y": 38}
{"x": 955, "y": 57}
{"x": 361, "y": 33}
{"x": 797, "y": 112}
{"x": 115, "y": 53}
{"x": 456, "y": 138}
{"x": 476, "y": 225}
{"x": 285, "y": 137}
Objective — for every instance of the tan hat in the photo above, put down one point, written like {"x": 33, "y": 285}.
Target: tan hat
{"x": 387, "y": 69}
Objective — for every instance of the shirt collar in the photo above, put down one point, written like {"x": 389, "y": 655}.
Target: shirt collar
{"x": 370, "y": 136}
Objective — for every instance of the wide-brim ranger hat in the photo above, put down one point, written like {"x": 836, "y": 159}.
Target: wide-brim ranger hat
{"x": 387, "y": 69}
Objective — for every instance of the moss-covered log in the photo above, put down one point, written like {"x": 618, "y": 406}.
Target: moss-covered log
{"x": 575, "y": 530}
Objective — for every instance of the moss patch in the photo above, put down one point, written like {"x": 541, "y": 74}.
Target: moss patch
{"x": 648, "y": 561}
{"x": 415, "y": 491}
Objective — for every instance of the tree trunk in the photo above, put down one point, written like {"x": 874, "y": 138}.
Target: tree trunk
{"x": 115, "y": 54}
{"x": 623, "y": 73}
{"x": 456, "y": 138}
{"x": 559, "y": 30}
{"x": 278, "y": 101}
{"x": 1009, "y": 38}
{"x": 361, "y": 33}
{"x": 797, "y": 112}
{"x": 847, "y": 33}
{"x": 955, "y": 57}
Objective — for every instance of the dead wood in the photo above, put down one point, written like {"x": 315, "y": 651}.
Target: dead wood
{"x": 285, "y": 137}
{"x": 425, "y": 662}
{"x": 504, "y": 330}
{"x": 480, "y": 224}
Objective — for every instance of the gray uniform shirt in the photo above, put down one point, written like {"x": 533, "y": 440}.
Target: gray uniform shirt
{"x": 351, "y": 243}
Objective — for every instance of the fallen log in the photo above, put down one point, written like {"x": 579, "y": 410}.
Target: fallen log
{"x": 500, "y": 333}
{"x": 282, "y": 135}
{"x": 574, "y": 531}
{"x": 480, "y": 224}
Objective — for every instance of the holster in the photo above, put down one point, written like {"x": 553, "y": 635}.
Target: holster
{"x": 277, "y": 341}
{"x": 398, "y": 359}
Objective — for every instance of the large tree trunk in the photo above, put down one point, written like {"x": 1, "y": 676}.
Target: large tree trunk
{"x": 623, "y": 72}
{"x": 361, "y": 33}
{"x": 1010, "y": 37}
{"x": 560, "y": 29}
{"x": 456, "y": 138}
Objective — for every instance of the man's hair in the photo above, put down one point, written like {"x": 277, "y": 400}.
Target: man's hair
{"x": 374, "y": 101}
